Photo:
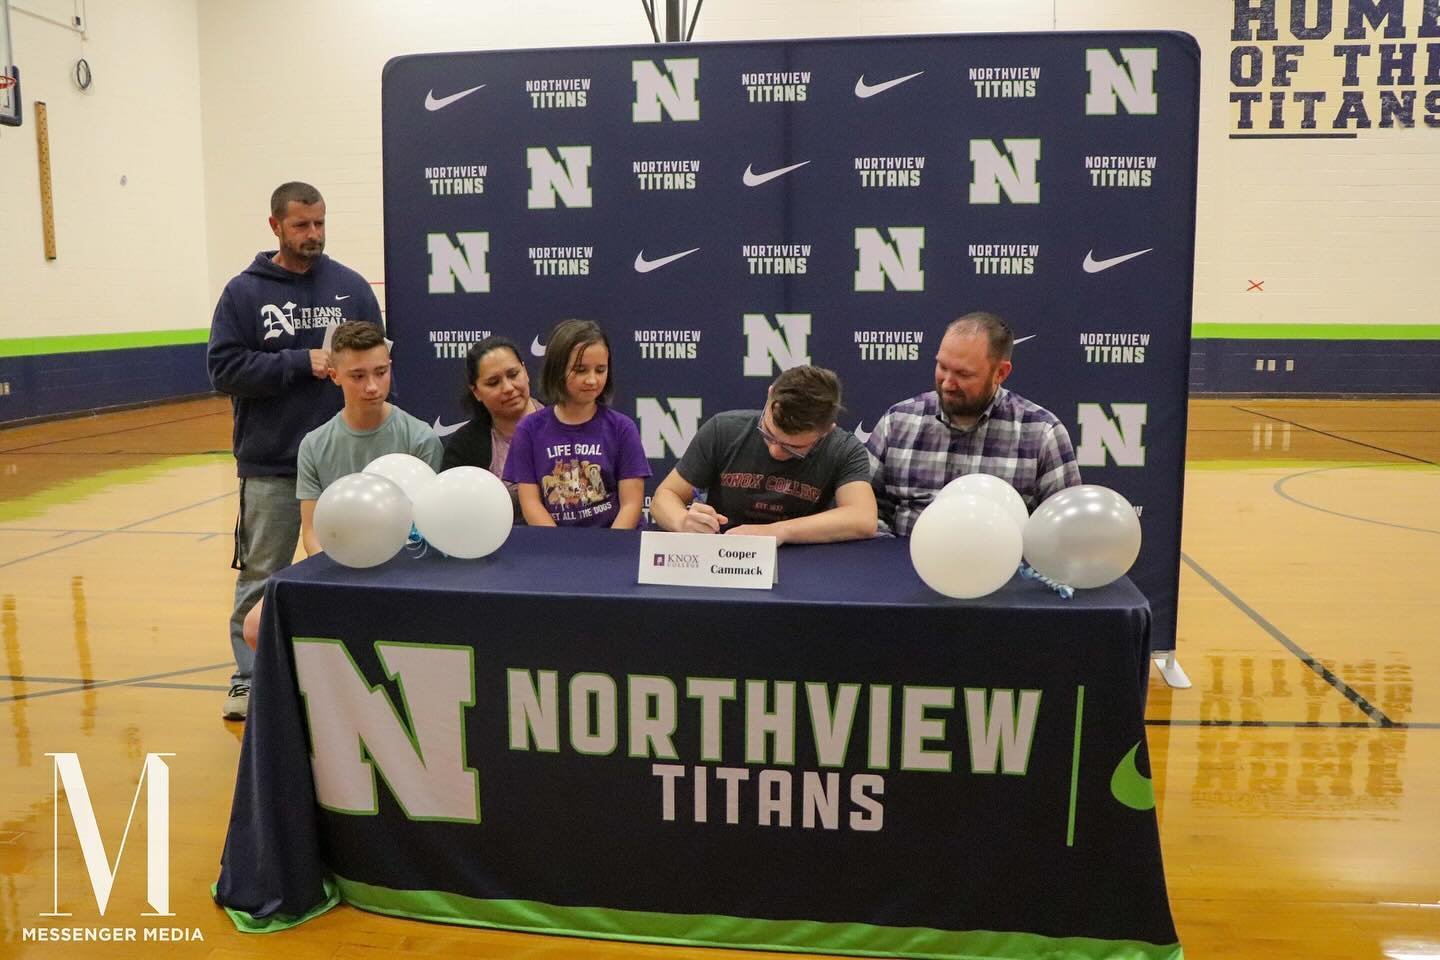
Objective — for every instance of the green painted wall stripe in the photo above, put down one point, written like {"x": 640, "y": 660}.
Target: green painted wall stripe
{"x": 706, "y": 930}
{"x": 90, "y": 343}
{"x": 1315, "y": 331}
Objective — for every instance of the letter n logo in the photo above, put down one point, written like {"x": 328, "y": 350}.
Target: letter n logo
{"x": 356, "y": 730}
{"x": 97, "y": 864}
{"x": 1120, "y": 436}
{"x": 660, "y": 431}
{"x": 566, "y": 176}
{"x": 1012, "y": 168}
{"x": 672, "y": 90}
{"x": 464, "y": 263}
{"x": 775, "y": 347}
{"x": 1131, "y": 83}
{"x": 896, "y": 259}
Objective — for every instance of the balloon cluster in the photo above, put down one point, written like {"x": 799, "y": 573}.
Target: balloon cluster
{"x": 364, "y": 519}
{"x": 969, "y": 541}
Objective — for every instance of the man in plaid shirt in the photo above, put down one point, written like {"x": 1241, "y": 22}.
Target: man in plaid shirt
{"x": 968, "y": 424}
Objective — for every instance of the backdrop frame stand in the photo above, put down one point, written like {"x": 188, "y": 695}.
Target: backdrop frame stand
{"x": 1169, "y": 666}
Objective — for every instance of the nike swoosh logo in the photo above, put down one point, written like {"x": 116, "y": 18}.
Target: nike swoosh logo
{"x": 645, "y": 266}
{"x": 445, "y": 429}
{"x": 338, "y": 297}
{"x": 861, "y": 433}
{"x": 863, "y": 89}
{"x": 1023, "y": 339}
{"x": 432, "y": 103}
{"x": 1130, "y": 786}
{"x": 1092, "y": 265}
{"x": 753, "y": 179}
{"x": 537, "y": 349}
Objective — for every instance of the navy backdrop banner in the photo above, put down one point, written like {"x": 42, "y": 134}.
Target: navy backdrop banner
{"x": 848, "y": 763}
{"x": 729, "y": 210}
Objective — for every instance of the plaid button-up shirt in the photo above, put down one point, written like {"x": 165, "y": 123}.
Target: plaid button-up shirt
{"x": 915, "y": 452}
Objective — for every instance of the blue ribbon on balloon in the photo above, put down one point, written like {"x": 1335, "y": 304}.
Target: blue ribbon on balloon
{"x": 416, "y": 544}
{"x": 1028, "y": 572}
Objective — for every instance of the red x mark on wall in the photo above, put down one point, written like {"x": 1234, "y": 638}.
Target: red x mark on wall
{"x": 1255, "y": 285}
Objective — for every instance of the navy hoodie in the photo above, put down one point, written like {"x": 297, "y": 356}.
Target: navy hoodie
{"x": 266, "y": 323}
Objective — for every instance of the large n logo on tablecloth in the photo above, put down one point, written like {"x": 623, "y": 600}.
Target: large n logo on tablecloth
{"x": 356, "y": 730}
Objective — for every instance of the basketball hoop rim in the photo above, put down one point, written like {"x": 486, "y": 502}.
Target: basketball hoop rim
{"x": 6, "y": 81}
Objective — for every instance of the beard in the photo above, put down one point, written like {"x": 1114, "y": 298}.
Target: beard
{"x": 305, "y": 250}
{"x": 962, "y": 406}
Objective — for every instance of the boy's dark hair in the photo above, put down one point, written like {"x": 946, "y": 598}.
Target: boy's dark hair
{"x": 805, "y": 398}
{"x": 293, "y": 191}
{"x": 992, "y": 327}
{"x": 478, "y": 410}
{"x": 567, "y": 335}
{"x": 357, "y": 335}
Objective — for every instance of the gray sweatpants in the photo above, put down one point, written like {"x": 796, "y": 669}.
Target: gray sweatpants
{"x": 266, "y": 535}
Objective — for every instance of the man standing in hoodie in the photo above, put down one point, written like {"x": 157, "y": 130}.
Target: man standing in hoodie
{"x": 267, "y": 352}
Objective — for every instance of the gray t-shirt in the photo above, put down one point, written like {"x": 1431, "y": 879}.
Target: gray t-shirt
{"x": 333, "y": 450}
{"x": 729, "y": 460}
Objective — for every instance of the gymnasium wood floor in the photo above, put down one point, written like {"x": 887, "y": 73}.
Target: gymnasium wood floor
{"x": 1298, "y": 780}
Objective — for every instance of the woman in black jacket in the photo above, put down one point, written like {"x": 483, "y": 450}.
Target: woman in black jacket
{"x": 498, "y": 397}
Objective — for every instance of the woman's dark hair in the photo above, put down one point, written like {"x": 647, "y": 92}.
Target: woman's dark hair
{"x": 567, "y": 335}
{"x": 478, "y": 410}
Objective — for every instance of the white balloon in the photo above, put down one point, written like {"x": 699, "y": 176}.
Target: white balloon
{"x": 991, "y": 488}
{"x": 1085, "y": 536}
{"x": 466, "y": 512}
{"x": 410, "y": 474}
{"x": 965, "y": 546}
{"x": 362, "y": 520}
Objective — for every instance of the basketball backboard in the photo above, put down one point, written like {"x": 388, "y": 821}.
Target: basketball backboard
{"x": 9, "y": 73}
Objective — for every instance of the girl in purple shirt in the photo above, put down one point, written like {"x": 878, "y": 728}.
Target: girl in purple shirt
{"x": 578, "y": 463}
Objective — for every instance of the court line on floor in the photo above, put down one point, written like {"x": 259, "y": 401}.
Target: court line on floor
{"x": 120, "y": 453}
{"x": 124, "y": 529}
{"x": 1279, "y": 486}
{"x": 1245, "y": 430}
{"x": 1336, "y": 436}
{"x": 157, "y": 685}
{"x": 62, "y": 531}
{"x": 108, "y": 433}
{"x": 88, "y": 684}
{"x": 1324, "y": 672}
{"x": 128, "y": 681}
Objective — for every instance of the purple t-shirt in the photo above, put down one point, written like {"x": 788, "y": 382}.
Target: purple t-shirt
{"x": 577, "y": 467}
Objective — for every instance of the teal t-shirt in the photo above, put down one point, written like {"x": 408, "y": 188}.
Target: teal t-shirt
{"x": 333, "y": 449}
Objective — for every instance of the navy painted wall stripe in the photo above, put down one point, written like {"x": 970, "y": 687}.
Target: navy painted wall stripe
{"x": 1315, "y": 366}
{"x": 60, "y": 383}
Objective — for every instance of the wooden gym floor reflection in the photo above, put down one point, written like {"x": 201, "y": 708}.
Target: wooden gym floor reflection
{"x": 1297, "y": 780}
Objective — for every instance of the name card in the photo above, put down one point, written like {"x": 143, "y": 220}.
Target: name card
{"x": 707, "y": 560}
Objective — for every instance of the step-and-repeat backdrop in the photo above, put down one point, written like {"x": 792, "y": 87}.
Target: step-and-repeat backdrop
{"x": 729, "y": 210}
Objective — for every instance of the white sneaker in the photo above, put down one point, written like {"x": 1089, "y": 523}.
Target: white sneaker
{"x": 237, "y": 701}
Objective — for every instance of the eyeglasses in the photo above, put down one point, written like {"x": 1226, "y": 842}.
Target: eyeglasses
{"x": 794, "y": 451}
